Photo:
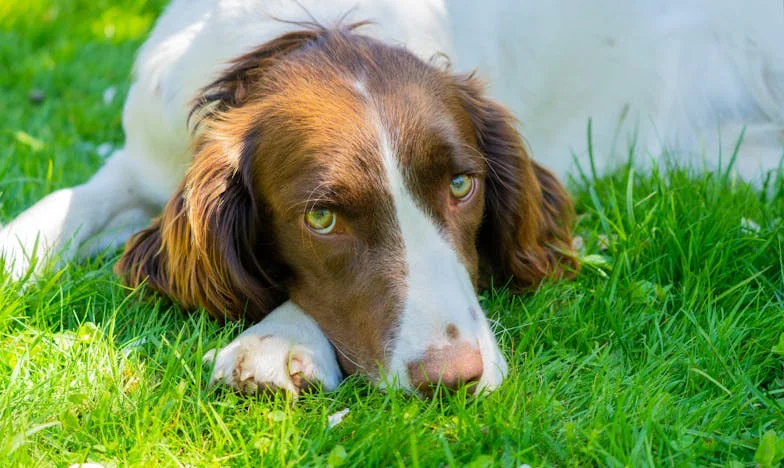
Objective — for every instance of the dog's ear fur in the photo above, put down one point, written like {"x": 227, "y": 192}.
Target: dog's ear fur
{"x": 526, "y": 234}
{"x": 209, "y": 248}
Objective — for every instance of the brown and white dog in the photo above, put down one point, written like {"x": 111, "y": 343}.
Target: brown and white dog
{"x": 373, "y": 189}
{"x": 336, "y": 188}
{"x": 351, "y": 196}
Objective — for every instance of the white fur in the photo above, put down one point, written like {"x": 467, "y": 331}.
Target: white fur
{"x": 676, "y": 75}
{"x": 439, "y": 291}
{"x": 269, "y": 353}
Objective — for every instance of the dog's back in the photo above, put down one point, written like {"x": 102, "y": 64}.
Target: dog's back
{"x": 683, "y": 76}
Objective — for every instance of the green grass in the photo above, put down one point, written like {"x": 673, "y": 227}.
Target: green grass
{"x": 666, "y": 350}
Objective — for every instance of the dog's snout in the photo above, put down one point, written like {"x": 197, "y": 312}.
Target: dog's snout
{"x": 453, "y": 366}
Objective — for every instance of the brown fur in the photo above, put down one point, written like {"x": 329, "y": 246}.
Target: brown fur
{"x": 526, "y": 236}
{"x": 208, "y": 248}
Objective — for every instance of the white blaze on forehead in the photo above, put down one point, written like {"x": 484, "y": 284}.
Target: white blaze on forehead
{"x": 359, "y": 87}
{"x": 439, "y": 289}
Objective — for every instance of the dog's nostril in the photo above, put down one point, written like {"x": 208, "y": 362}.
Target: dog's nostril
{"x": 452, "y": 366}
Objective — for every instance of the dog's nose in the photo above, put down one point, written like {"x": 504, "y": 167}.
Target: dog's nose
{"x": 453, "y": 366}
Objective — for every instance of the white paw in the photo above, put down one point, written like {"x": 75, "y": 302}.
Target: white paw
{"x": 253, "y": 363}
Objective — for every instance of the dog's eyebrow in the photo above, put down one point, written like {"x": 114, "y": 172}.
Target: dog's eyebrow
{"x": 469, "y": 160}
{"x": 445, "y": 158}
{"x": 348, "y": 198}
{"x": 324, "y": 195}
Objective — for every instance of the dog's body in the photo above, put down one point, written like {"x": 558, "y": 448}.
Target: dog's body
{"x": 685, "y": 76}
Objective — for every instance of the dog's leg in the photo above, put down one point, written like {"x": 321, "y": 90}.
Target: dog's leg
{"x": 117, "y": 232}
{"x": 61, "y": 221}
{"x": 285, "y": 351}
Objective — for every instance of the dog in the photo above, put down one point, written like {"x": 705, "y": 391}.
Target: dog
{"x": 349, "y": 190}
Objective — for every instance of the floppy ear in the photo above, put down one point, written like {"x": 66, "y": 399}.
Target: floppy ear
{"x": 526, "y": 234}
{"x": 209, "y": 247}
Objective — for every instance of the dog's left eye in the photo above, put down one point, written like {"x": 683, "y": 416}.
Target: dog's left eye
{"x": 461, "y": 186}
{"x": 321, "y": 220}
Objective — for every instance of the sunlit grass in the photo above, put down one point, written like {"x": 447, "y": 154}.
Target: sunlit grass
{"x": 666, "y": 349}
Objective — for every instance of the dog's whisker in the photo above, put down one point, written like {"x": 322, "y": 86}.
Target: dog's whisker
{"x": 340, "y": 349}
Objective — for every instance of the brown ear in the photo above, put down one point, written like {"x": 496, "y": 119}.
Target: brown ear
{"x": 526, "y": 234}
{"x": 209, "y": 247}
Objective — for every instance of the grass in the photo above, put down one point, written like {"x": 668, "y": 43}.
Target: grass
{"x": 668, "y": 349}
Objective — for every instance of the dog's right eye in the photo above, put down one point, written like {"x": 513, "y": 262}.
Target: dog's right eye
{"x": 321, "y": 220}
{"x": 461, "y": 186}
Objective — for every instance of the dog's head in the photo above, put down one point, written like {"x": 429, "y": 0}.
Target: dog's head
{"x": 376, "y": 191}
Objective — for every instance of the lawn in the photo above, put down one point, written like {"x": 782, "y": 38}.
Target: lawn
{"x": 668, "y": 349}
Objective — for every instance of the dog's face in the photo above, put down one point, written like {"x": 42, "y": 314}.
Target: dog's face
{"x": 375, "y": 190}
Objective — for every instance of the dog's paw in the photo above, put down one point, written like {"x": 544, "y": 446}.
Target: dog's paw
{"x": 254, "y": 364}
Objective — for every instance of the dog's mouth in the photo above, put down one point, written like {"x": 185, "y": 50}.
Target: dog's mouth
{"x": 427, "y": 349}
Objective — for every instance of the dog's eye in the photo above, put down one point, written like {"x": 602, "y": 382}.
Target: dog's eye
{"x": 321, "y": 220}
{"x": 461, "y": 186}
